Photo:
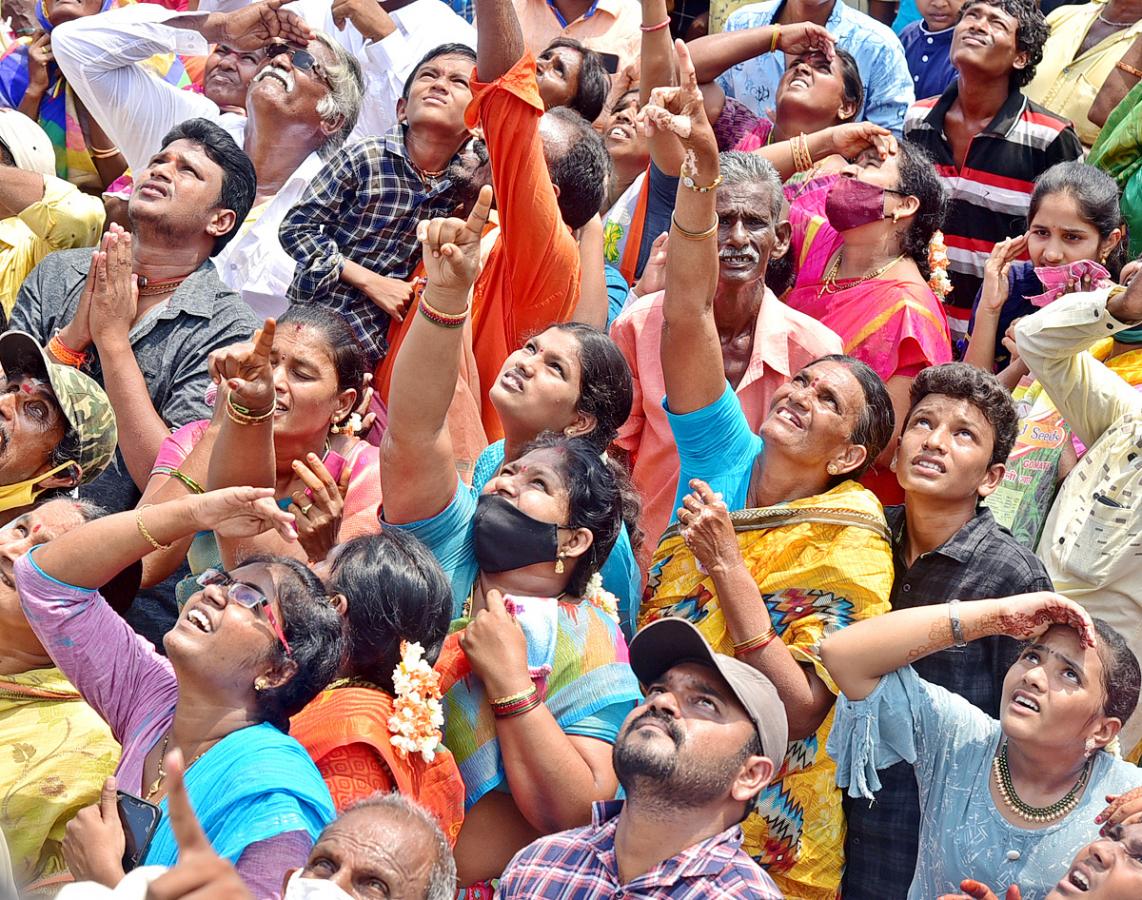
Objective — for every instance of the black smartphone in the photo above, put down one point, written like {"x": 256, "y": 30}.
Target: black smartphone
{"x": 610, "y": 62}
{"x": 140, "y": 819}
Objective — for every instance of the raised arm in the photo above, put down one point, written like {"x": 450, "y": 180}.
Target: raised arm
{"x": 499, "y": 39}
{"x": 859, "y": 655}
{"x": 418, "y": 472}
{"x": 714, "y": 53}
{"x": 691, "y": 351}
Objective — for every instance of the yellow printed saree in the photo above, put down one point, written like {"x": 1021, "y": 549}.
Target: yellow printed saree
{"x": 56, "y": 752}
{"x": 820, "y": 563}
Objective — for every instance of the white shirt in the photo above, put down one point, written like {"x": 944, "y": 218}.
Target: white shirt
{"x": 420, "y": 27}
{"x": 99, "y": 56}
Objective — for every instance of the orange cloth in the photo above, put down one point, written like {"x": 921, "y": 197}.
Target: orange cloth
{"x": 784, "y": 341}
{"x": 531, "y": 278}
{"x": 611, "y": 27}
{"x": 345, "y": 730}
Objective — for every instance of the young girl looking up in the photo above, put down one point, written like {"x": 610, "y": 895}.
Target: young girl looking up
{"x": 1074, "y": 216}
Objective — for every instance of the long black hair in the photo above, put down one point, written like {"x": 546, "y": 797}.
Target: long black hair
{"x": 1095, "y": 194}
{"x": 606, "y": 387}
{"x": 918, "y": 178}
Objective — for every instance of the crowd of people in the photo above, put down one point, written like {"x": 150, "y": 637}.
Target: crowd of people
{"x": 570, "y": 449}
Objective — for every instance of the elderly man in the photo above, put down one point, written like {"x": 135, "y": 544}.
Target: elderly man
{"x": 300, "y": 107}
{"x": 763, "y": 341}
{"x": 147, "y": 344}
{"x": 385, "y": 840}
{"x": 1090, "y": 542}
{"x": 39, "y": 212}
{"x": 691, "y": 760}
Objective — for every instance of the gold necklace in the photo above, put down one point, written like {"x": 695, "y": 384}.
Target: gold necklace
{"x": 162, "y": 773}
{"x": 829, "y": 284}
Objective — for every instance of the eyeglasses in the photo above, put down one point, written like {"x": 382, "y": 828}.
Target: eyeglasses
{"x": 301, "y": 59}
{"x": 244, "y": 595}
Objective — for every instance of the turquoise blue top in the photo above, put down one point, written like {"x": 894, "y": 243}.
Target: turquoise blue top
{"x": 952, "y": 744}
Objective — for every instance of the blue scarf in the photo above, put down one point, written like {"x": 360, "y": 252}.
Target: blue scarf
{"x": 254, "y": 784}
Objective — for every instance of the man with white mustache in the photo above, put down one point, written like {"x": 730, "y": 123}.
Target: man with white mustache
{"x": 763, "y": 341}
{"x": 301, "y": 105}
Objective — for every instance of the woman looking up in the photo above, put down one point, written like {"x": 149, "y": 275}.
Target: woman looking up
{"x": 521, "y": 557}
{"x": 806, "y": 552}
{"x": 250, "y": 649}
{"x": 1004, "y": 802}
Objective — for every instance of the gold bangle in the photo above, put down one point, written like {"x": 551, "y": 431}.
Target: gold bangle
{"x": 757, "y": 642}
{"x": 242, "y": 416}
{"x": 147, "y": 536}
{"x": 99, "y": 153}
{"x": 776, "y": 38}
{"x": 1126, "y": 67}
{"x": 511, "y": 698}
{"x": 693, "y": 235}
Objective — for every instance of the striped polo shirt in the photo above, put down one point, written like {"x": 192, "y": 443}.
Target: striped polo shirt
{"x": 991, "y": 194}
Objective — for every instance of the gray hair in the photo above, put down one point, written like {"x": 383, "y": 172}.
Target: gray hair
{"x": 346, "y": 90}
{"x": 88, "y": 511}
{"x": 739, "y": 167}
{"x": 442, "y": 875}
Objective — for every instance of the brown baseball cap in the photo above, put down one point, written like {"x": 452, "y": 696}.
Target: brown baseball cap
{"x": 663, "y": 644}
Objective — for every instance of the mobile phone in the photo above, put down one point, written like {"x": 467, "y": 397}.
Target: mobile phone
{"x": 140, "y": 820}
{"x": 610, "y": 62}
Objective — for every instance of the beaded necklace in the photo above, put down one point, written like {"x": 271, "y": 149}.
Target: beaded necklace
{"x": 1038, "y": 814}
{"x": 829, "y": 284}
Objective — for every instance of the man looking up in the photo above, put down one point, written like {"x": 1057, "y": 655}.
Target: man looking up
{"x": 691, "y": 760}
{"x": 300, "y": 106}
{"x": 353, "y": 233}
{"x": 988, "y": 141}
{"x": 62, "y": 749}
{"x": 146, "y": 341}
{"x": 57, "y": 429}
{"x": 763, "y": 341}
{"x": 950, "y": 455}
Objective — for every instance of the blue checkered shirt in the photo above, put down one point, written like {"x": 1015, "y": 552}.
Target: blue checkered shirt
{"x": 364, "y": 207}
{"x": 581, "y": 864}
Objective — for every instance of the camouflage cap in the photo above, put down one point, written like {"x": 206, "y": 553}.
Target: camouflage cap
{"x": 82, "y": 400}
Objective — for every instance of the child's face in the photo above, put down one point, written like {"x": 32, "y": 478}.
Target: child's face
{"x": 1059, "y": 235}
{"x": 939, "y": 14}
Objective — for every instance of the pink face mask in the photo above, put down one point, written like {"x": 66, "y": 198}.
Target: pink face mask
{"x": 852, "y": 203}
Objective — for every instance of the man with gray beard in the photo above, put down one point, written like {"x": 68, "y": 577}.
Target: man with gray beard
{"x": 763, "y": 341}
{"x": 691, "y": 760}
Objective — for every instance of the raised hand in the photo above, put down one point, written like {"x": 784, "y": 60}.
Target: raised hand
{"x": 653, "y": 278}
{"x": 996, "y": 287}
{"x": 39, "y": 58}
{"x": 1026, "y": 616}
{"x": 241, "y": 512}
{"x": 317, "y": 510}
{"x": 1121, "y": 809}
{"x": 200, "y": 872}
{"x": 680, "y": 111}
{"x": 706, "y": 528}
{"x": 247, "y": 371}
{"x": 115, "y": 291}
{"x": 368, "y": 16}
{"x": 853, "y": 138}
{"x": 497, "y": 648}
{"x": 451, "y": 247}
{"x": 805, "y": 37}
{"x": 254, "y": 26}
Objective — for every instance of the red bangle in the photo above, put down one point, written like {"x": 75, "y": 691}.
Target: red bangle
{"x": 516, "y": 707}
{"x": 649, "y": 28}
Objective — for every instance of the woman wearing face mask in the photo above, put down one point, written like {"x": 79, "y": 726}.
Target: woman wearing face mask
{"x": 550, "y": 685}
{"x": 250, "y": 649}
{"x": 392, "y": 594}
{"x": 1005, "y": 802}
{"x": 862, "y": 248}
{"x": 299, "y": 381}
{"x": 806, "y": 550}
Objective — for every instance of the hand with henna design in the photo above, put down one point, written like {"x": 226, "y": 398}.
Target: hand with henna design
{"x": 1028, "y": 615}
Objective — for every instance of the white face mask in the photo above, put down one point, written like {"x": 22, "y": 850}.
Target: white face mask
{"x": 300, "y": 888}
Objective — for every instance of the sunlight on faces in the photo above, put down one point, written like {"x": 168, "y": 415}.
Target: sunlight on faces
{"x": 439, "y": 94}
{"x": 538, "y": 386}
{"x": 227, "y": 74}
{"x": 814, "y": 84}
{"x": 945, "y": 450}
{"x": 747, "y": 235}
{"x": 1107, "y": 869}
{"x": 557, "y": 72}
{"x": 812, "y": 418}
{"x": 180, "y": 193}
{"x": 282, "y": 89}
{"x": 31, "y": 425}
{"x": 624, "y": 140}
{"x": 535, "y": 484}
{"x": 985, "y": 39}
{"x": 374, "y": 854}
{"x": 1053, "y": 694}
{"x": 305, "y": 383}
{"x": 1059, "y": 235}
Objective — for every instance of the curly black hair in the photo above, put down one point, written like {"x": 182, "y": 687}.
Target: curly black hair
{"x": 979, "y": 388}
{"x": 918, "y": 179}
{"x": 1031, "y": 33}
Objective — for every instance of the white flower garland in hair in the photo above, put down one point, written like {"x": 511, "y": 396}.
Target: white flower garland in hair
{"x": 939, "y": 281}
{"x": 599, "y": 596}
{"x": 417, "y": 713}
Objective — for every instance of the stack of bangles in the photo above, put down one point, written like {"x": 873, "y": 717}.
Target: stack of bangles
{"x": 443, "y": 319}
{"x": 191, "y": 485}
{"x": 516, "y": 704}
{"x": 802, "y": 158}
{"x": 64, "y": 353}
{"x": 244, "y": 416}
{"x": 741, "y": 648}
{"x": 694, "y": 235}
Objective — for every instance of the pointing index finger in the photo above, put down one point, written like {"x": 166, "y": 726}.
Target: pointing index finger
{"x": 478, "y": 217}
{"x": 264, "y": 340}
{"x": 686, "y": 74}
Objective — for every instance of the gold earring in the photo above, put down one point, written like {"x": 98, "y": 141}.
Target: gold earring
{"x": 559, "y": 567}
{"x": 259, "y": 684}
{"x": 831, "y": 468}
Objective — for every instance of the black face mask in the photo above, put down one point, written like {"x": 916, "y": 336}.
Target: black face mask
{"x": 507, "y": 538}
